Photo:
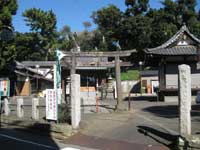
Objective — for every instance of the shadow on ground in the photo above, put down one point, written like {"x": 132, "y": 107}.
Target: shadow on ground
{"x": 166, "y": 139}
{"x": 24, "y": 139}
{"x": 171, "y": 111}
{"x": 142, "y": 98}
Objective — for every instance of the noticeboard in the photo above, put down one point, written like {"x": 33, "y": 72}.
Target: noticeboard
{"x": 4, "y": 87}
{"x": 51, "y": 104}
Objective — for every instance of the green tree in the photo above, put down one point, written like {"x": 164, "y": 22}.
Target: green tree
{"x": 27, "y": 47}
{"x": 109, "y": 20}
{"x": 132, "y": 28}
{"x": 7, "y": 9}
{"x": 163, "y": 23}
{"x": 99, "y": 41}
{"x": 87, "y": 25}
{"x": 65, "y": 32}
{"x": 168, "y": 19}
{"x": 7, "y": 49}
{"x": 85, "y": 38}
{"x": 186, "y": 11}
{"x": 136, "y": 26}
{"x": 43, "y": 23}
{"x": 65, "y": 41}
{"x": 136, "y": 7}
{"x": 136, "y": 33}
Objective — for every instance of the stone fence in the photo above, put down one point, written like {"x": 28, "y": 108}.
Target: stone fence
{"x": 35, "y": 108}
{"x": 25, "y": 107}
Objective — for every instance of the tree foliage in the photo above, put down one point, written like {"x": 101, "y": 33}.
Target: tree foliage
{"x": 7, "y": 9}
{"x": 65, "y": 41}
{"x": 136, "y": 7}
{"x": 87, "y": 24}
{"x": 137, "y": 27}
{"x": 44, "y": 24}
{"x": 27, "y": 47}
{"x": 140, "y": 26}
{"x": 7, "y": 49}
{"x": 108, "y": 20}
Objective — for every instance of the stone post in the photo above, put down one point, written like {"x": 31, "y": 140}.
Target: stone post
{"x": 20, "y": 110}
{"x": 75, "y": 101}
{"x": 35, "y": 109}
{"x": 184, "y": 99}
{"x": 6, "y": 107}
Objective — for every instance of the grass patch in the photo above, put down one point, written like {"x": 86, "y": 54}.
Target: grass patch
{"x": 130, "y": 75}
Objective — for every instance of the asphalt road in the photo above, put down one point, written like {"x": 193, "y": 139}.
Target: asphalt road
{"x": 19, "y": 140}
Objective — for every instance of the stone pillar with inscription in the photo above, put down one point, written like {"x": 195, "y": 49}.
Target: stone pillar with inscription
{"x": 75, "y": 101}
{"x": 184, "y": 99}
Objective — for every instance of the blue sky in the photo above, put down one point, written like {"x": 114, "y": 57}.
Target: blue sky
{"x": 68, "y": 12}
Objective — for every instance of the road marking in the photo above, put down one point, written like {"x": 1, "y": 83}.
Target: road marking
{"x": 26, "y": 141}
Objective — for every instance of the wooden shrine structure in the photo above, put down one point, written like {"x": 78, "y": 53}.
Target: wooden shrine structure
{"x": 182, "y": 48}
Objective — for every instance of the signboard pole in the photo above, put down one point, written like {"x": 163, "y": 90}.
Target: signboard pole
{"x": 55, "y": 86}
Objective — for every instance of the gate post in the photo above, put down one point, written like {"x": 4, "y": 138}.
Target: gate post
{"x": 35, "y": 109}
{"x": 184, "y": 99}
{"x": 20, "y": 110}
{"x": 75, "y": 101}
{"x": 6, "y": 107}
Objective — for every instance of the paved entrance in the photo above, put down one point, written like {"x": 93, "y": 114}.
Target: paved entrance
{"x": 151, "y": 125}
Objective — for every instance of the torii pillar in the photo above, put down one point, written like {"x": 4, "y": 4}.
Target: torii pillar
{"x": 118, "y": 83}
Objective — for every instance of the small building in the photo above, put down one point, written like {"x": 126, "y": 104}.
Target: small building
{"x": 149, "y": 81}
{"x": 182, "y": 48}
{"x": 30, "y": 81}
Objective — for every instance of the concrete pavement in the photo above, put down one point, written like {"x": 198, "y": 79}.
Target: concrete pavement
{"x": 152, "y": 125}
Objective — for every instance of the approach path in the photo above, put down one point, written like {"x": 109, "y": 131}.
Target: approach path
{"x": 151, "y": 125}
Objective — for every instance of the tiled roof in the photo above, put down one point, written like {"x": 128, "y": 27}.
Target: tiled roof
{"x": 177, "y": 50}
{"x": 168, "y": 49}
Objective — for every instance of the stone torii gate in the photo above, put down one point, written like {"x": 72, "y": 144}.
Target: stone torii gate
{"x": 115, "y": 54}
